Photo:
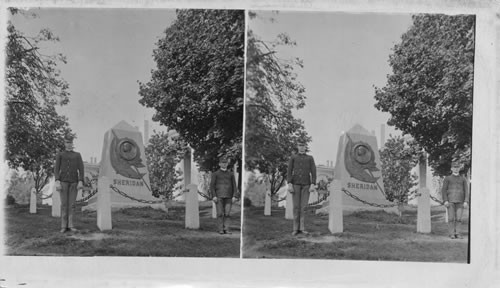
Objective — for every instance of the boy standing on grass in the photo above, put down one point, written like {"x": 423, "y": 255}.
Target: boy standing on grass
{"x": 301, "y": 178}
{"x": 68, "y": 173}
{"x": 455, "y": 193}
{"x": 223, "y": 190}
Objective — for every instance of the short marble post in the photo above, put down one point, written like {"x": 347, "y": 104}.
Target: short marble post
{"x": 424, "y": 200}
{"x": 289, "y": 206}
{"x": 267, "y": 203}
{"x": 424, "y": 211}
{"x": 214, "y": 210}
{"x": 335, "y": 213}
{"x": 56, "y": 202}
{"x": 192, "y": 209}
{"x": 104, "y": 221}
{"x": 33, "y": 200}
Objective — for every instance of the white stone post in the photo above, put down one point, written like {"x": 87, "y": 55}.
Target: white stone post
{"x": 424, "y": 211}
{"x": 289, "y": 206}
{"x": 192, "y": 209}
{"x": 104, "y": 221}
{"x": 424, "y": 200}
{"x": 56, "y": 202}
{"x": 214, "y": 210}
{"x": 335, "y": 213}
{"x": 33, "y": 200}
{"x": 267, "y": 203}
{"x": 445, "y": 214}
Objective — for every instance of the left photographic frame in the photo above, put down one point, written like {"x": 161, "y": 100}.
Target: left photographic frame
{"x": 153, "y": 102}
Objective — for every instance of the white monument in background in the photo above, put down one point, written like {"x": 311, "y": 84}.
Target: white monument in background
{"x": 359, "y": 171}
{"x": 123, "y": 163}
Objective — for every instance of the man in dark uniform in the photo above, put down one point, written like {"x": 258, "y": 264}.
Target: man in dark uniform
{"x": 223, "y": 190}
{"x": 301, "y": 178}
{"x": 455, "y": 194}
{"x": 69, "y": 174}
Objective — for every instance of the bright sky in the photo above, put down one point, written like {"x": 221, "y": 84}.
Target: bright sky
{"x": 344, "y": 56}
{"x": 108, "y": 51}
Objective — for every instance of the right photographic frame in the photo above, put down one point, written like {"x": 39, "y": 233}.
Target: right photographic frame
{"x": 358, "y": 136}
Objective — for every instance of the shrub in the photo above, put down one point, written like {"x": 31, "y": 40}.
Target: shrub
{"x": 247, "y": 202}
{"x": 10, "y": 200}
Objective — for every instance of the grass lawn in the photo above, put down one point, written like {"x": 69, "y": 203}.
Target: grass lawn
{"x": 368, "y": 235}
{"x": 136, "y": 232}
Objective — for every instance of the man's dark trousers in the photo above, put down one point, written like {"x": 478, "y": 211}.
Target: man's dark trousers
{"x": 453, "y": 209}
{"x": 300, "y": 201}
{"x": 68, "y": 199}
{"x": 223, "y": 210}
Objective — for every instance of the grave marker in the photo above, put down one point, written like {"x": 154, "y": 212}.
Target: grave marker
{"x": 123, "y": 163}
{"x": 359, "y": 171}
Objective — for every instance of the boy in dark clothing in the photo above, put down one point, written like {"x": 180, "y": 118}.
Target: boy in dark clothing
{"x": 455, "y": 194}
{"x": 68, "y": 173}
{"x": 223, "y": 190}
{"x": 301, "y": 178}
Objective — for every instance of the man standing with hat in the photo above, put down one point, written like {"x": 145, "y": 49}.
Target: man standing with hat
{"x": 223, "y": 190}
{"x": 69, "y": 174}
{"x": 301, "y": 178}
{"x": 455, "y": 194}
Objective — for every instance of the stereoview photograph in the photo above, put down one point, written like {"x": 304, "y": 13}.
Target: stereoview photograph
{"x": 358, "y": 136}
{"x": 124, "y": 132}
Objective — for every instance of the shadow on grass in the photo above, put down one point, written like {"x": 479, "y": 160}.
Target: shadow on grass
{"x": 136, "y": 232}
{"x": 368, "y": 235}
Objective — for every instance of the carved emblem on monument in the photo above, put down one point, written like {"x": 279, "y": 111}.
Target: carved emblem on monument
{"x": 360, "y": 158}
{"x": 125, "y": 157}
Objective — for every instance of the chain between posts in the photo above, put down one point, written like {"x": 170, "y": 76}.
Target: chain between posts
{"x": 279, "y": 200}
{"x": 133, "y": 198}
{"x": 310, "y": 204}
{"x": 365, "y": 202}
{"x": 206, "y": 196}
{"x": 441, "y": 203}
{"x": 318, "y": 201}
{"x": 45, "y": 197}
{"x": 87, "y": 197}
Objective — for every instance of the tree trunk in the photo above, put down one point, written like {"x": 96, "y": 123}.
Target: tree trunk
{"x": 400, "y": 209}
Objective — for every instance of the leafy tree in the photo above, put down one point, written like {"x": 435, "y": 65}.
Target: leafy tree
{"x": 197, "y": 86}
{"x": 163, "y": 152}
{"x": 272, "y": 92}
{"x": 429, "y": 93}
{"x": 398, "y": 157}
{"x": 34, "y": 87}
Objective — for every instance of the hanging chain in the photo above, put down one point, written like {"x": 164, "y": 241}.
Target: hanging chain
{"x": 43, "y": 197}
{"x": 365, "y": 202}
{"x": 205, "y": 195}
{"x": 318, "y": 201}
{"x": 86, "y": 198}
{"x": 135, "y": 199}
{"x": 441, "y": 203}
